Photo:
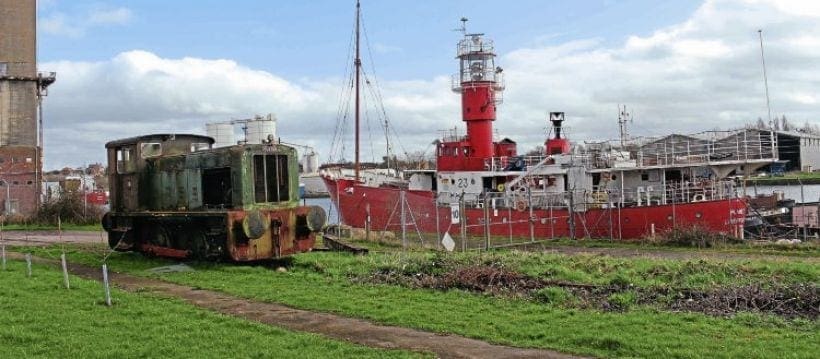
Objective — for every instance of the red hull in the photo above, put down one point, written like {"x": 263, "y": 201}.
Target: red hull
{"x": 355, "y": 202}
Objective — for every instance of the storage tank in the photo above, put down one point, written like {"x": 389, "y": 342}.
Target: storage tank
{"x": 222, "y": 133}
{"x": 260, "y": 128}
{"x": 310, "y": 162}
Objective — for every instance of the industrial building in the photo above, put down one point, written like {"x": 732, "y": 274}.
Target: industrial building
{"x": 22, "y": 89}
{"x": 801, "y": 150}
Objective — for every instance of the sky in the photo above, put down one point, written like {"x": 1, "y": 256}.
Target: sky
{"x": 127, "y": 68}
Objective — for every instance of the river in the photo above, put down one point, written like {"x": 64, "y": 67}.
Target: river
{"x": 808, "y": 193}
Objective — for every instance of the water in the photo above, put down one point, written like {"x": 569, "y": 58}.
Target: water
{"x": 332, "y": 214}
{"x": 810, "y": 193}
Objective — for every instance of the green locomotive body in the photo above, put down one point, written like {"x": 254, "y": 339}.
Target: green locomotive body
{"x": 175, "y": 196}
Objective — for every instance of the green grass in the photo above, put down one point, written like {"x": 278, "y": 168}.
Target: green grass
{"x": 321, "y": 282}
{"x": 38, "y": 318}
{"x": 806, "y": 249}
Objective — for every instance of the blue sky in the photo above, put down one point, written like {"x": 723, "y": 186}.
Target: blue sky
{"x": 127, "y": 68}
{"x": 308, "y": 38}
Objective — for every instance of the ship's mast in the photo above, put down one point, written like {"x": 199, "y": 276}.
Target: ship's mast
{"x": 357, "y": 62}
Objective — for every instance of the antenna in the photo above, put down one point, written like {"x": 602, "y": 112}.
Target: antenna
{"x": 623, "y": 117}
{"x": 765, "y": 78}
{"x": 463, "y": 28}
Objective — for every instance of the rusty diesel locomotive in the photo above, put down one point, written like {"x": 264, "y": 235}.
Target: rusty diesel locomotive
{"x": 176, "y": 196}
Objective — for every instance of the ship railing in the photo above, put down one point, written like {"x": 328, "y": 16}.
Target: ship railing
{"x": 475, "y": 44}
{"x": 710, "y": 148}
{"x": 678, "y": 192}
{"x": 530, "y": 163}
{"x": 470, "y": 79}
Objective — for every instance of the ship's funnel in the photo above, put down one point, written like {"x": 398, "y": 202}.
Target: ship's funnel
{"x": 556, "y": 118}
{"x": 557, "y": 145}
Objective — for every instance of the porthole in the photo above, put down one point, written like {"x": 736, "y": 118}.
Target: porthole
{"x": 669, "y": 217}
{"x": 698, "y": 214}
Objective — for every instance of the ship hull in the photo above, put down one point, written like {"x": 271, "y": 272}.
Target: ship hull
{"x": 359, "y": 204}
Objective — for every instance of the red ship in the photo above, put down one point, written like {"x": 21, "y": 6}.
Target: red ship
{"x": 624, "y": 189}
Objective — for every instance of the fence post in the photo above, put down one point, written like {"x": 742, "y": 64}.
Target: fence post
{"x": 105, "y": 285}
{"x": 367, "y": 224}
{"x": 403, "y": 220}
{"x": 462, "y": 222}
{"x": 4, "y": 256}
{"x": 531, "y": 220}
{"x": 28, "y": 265}
{"x": 438, "y": 225}
{"x": 65, "y": 271}
{"x": 486, "y": 221}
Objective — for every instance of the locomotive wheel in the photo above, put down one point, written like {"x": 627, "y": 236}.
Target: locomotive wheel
{"x": 157, "y": 234}
{"x": 199, "y": 243}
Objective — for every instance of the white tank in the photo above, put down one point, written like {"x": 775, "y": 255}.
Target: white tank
{"x": 222, "y": 132}
{"x": 260, "y": 129}
{"x": 310, "y": 163}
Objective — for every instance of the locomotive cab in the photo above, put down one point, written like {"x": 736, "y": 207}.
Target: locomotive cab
{"x": 175, "y": 195}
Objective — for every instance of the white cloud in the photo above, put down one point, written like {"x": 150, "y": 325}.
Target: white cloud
{"x": 702, "y": 73}
{"x": 118, "y": 16}
{"x": 76, "y": 25}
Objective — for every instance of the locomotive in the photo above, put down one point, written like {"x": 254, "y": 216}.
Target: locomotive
{"x": 174, "y": 195}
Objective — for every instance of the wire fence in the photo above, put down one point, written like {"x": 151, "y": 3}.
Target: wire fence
{"x": 499, "y": 219}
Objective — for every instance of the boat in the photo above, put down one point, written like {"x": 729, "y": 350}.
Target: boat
{"x": 629, "y": 188}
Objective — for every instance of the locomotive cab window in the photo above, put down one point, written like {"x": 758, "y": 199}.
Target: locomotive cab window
{"x": 217, "y": 189}
{"x": 271, "y": 180}
{"x": 150, "y": 149}
{"x": 200, "y": 146}
{"x": 125, "y": 160}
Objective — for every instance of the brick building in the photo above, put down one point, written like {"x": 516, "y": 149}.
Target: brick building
{"x": 21, "y": 91}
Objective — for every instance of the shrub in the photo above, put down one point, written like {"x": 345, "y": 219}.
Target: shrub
{"x": 695, "y": 236}
{"x": 622, "y": 300}
{"x": 69, "y": 208}
{"x": 552, "y": 295}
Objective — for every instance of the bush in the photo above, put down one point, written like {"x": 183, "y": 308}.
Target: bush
{"x": 69, "y": 208}
{"x": 552, "y": 295}
{"x": 622, "y": 300}
{"x": 695, "y": 236}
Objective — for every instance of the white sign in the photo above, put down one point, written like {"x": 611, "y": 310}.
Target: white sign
{"x": 455, "y": 214}
{"x": 448, "y": 242}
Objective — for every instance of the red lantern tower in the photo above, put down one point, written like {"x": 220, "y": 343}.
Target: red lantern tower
{"x": 480, "y": 84}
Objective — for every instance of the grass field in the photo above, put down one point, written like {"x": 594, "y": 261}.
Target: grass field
{"x": 38, "y": 318}
{"x": 338, "y": 282}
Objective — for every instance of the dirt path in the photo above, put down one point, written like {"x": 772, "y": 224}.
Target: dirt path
{"x": 330, "y": 325}
{"x": 44, "y": 238}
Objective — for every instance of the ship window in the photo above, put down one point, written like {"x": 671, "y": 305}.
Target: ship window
{"x": 644, "y": 176}
{"x": 4, "y": 68}
{"x": 125, "y": 160}
{"x": 271, "y": 179}
{"x": 150, "y": 149}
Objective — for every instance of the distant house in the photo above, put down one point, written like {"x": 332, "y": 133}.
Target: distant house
{"x": 801, "y": 150}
